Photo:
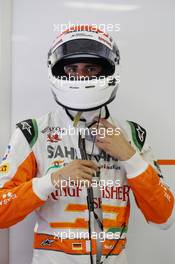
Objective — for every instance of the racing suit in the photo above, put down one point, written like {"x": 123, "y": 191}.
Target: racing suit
{"x": 41, "y": 146}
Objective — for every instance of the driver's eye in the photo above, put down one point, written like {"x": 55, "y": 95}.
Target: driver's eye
{"x": 92, "y": 69}
{"x": 70, "y": 69}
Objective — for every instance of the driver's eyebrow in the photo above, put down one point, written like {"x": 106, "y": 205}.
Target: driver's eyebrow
{"x": 91, "y": 65}
{"x": 71, "y": 65}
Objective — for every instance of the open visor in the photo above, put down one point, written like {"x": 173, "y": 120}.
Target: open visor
{"x": 82, "y": 50}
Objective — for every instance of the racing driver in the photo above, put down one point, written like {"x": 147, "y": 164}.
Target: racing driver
{"x": 79, "y": 183}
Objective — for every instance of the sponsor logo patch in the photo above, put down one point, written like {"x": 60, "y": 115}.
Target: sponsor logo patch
{"x": 56, "y": 164}
{"x": 77, "y": 246}
{"x": 141, "y": 133}
{"x": 54, "y": 133}
{"x": 53, "y": 137}
{"x": 7, "y": 197}
{"x": 7, "y": 153}
{"x": 4, "y": 168}
{"x": 47, "y": 242}
{"x": 26, "y": 126}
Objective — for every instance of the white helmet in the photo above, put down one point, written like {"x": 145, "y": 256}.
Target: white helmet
{"x": 84, "y": 44}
